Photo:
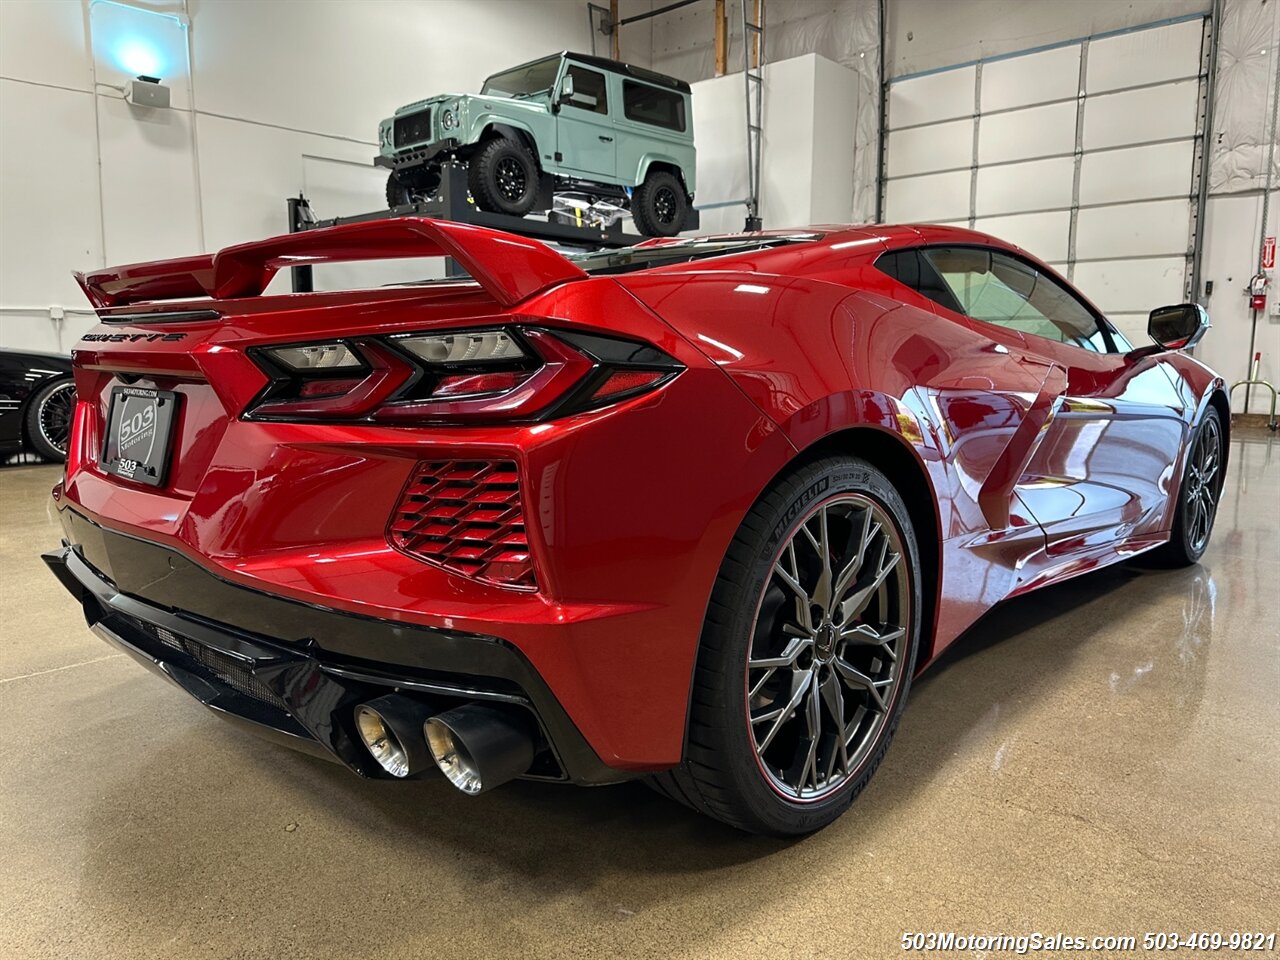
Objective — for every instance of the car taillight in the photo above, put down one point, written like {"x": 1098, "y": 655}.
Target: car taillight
{"x": 480, "y": 375}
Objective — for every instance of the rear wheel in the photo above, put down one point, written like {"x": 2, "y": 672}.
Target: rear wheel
{"x": 1198, "y": 497}
{"x": 49, "y": 419}
{"x": 659, "y": 205}
{"x": 503, "y": 177}
{"x": 806, "y": 655}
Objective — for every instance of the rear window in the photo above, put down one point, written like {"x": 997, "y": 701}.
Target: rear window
{"x": 679, "y": 251}
{"x": 909, "y": 268}
{"x": 646, "y": 104}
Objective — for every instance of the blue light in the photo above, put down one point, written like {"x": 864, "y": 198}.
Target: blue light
{"x": 137, "y": 57}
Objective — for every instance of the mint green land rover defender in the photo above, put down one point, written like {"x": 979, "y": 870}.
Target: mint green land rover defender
{"x": 569, "y": 123}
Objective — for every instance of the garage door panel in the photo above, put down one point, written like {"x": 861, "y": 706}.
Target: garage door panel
{"x": 942, "y": 146}
{"x": 938, "y": 96}
{"x": 1132, "y": 286}
{"x": 1033, "y": 78}
{"x": 1016, "y": 187}
{"x": 1136, "y": 173}
{"x": 1133, "y": 230}
{"x": 1133, "y": 326}
{"x": 1112, "y": 207}
{"x": 928, "y": 199}
{"x": 1144, "y": 56}
{"x": 1166, "y": 112}
{"x": 1029, "y": 133}
{"x": 1043, "y": 234}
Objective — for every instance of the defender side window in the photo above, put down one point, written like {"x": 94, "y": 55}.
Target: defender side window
{"x": 588, "y": 90}
{"x": 996, "y": 288}
{"x": 653, "y": 105}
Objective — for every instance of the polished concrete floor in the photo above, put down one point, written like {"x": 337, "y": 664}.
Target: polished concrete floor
{"x": 1101, "y": 758}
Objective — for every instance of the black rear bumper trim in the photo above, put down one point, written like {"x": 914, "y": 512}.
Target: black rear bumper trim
{"x": 316, "y": 662}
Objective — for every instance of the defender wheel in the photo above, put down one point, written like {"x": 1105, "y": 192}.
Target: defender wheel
{"x": 503, "y": 177}
{"x": 1198, "y": 497}
{"x": 402, "y": 190}
{"x": 659, "y": 205}
{"x": 806, "y": 655}
{"x": 49, "y": 419}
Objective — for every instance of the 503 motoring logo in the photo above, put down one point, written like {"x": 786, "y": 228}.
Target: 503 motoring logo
{"x": 136, "y": 430}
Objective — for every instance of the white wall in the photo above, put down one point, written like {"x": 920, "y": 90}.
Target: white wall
{"x": 808, "y": 114}
{"x": 681, "y": 42}
{"x": 270, "y": 97}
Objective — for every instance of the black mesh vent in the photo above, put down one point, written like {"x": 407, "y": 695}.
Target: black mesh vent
{"x": 413, "y": 128}
{"x": 229, "y": 670}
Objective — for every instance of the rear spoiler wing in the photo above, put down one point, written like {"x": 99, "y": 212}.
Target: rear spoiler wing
{"x": 508, "y": 267}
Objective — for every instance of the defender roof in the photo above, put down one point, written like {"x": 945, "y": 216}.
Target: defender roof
{"x": 640, "y": 73}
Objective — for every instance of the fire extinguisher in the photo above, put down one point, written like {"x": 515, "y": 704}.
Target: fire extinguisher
{"x": 1257, "y": 291}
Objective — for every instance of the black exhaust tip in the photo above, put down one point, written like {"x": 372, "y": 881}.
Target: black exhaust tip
{"x": 391, "y": 730}
{"x": 479, "y": 747}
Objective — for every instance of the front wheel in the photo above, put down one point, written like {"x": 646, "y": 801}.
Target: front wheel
{"x": 49, "y": 419}
{"x": 1198, "y": 496}
{"x": 806, "y": 655}
{"x": 503, "y": 177}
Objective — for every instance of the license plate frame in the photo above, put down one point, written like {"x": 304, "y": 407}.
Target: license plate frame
{"x": 140, "y": 423}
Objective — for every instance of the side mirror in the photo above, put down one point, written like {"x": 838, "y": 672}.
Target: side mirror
{"x": 566, "y": 89}
{"x": 1178, "y": 327}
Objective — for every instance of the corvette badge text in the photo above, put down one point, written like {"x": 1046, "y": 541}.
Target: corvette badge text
{"x": 131, "y": 337}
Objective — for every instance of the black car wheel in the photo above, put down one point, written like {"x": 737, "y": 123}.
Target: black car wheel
{"x": 659, "y": 205}
{"x": 503, "y": 177}
{"x": 1198, "y": 497}
{"x": 807, "y": 653}
{"x": 49, "y": 419}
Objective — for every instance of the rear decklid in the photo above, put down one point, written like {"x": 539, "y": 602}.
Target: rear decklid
{"x": 186, "y": 331}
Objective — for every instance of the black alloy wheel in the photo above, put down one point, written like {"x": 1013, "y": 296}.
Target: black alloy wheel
{"x": 49, "y": 419}
{"x": 807, "y": 652}
{"x": 1197, "y": 505}
{"x": 503, "y": 177}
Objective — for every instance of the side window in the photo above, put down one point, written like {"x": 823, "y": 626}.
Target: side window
{"x": 996, "y": 288}
{"x": 588, "y": 90}
{"x": 653, "y": 105}
{"x": 912, "y": 270}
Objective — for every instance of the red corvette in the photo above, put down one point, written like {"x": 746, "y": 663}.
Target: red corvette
{"x": 697, "y": 510}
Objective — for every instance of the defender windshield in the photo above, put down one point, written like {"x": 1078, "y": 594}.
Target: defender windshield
{"x": 525, "y": 81}
{"x": 679, "y": 251}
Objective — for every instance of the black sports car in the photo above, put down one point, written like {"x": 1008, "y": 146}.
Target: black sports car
{"x": 37, "y": 396}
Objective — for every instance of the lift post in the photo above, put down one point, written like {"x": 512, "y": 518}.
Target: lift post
{"x": 753, "y": 77}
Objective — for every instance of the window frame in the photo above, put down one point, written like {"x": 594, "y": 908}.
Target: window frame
{"x": 1109, "y": 333}
{"x": 682, "y": 110}
{"x": 602, "y": 102}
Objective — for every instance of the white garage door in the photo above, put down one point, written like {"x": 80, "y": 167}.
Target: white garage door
{"x": 1087, "y": 154}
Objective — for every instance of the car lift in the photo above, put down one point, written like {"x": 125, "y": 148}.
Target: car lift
{"x": 453, "y": 202}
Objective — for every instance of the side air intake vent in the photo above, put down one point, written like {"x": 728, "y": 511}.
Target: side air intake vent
{"x": 466, "y": 516}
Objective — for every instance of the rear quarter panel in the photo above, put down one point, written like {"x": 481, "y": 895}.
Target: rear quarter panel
{"x": 858, "y": 350}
